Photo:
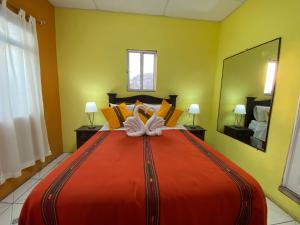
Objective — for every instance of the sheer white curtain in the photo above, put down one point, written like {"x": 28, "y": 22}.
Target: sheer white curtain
{"x": 23, "y": 135}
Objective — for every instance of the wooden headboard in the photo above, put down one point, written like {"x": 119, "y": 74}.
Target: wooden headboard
{"x": 251, "y": 103}
{"x": 112, "y": 98}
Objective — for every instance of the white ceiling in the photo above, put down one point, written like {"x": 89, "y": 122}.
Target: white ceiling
{"x": 213, "y": 10}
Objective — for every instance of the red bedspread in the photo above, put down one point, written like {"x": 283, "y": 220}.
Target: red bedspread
{"x": 173, "y": 179}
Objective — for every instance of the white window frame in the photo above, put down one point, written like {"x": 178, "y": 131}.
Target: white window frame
{"x": 142, "y": 52}
{"x": 285, "y": 187}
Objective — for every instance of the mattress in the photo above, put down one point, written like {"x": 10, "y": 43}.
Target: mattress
{"x": 259, "y": 129}
{"x": 172, "y": 179}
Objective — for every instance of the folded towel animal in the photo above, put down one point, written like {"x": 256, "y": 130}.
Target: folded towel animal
{"x": 154, "y": 124}
{"x": 134, "y": 125}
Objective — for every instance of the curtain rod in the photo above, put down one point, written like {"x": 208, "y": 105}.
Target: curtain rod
{"x": 16, "y": 9}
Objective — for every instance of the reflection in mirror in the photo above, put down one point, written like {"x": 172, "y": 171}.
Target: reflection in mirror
{"x": 247, "y": 92}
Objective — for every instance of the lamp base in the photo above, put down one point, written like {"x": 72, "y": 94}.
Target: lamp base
{"x": 91, "y": 119}
{"x": 193, "y": 120}
{"x": 238, "y": 120}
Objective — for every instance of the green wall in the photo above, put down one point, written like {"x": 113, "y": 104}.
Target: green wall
{"x": 255, "y": 22}
{"x": 91, "y": 48}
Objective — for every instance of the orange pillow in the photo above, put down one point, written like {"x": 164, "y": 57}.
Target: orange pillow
{"x": 172, "y": 117}
{"x": 164, "y": 108}
{"x": 116, "y": 115}
{"x": 169, "y": 113}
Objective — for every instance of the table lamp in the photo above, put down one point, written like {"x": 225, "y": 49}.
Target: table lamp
{"x": 90, "y": 109}
{"x": 194, "y": 109}
{"x": 239, "y": 111}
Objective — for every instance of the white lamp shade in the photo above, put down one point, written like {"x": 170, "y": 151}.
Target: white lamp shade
{"x": 240, "y": 109}
{"x": 194, "y": 109}
{"x": 91, "y": 107}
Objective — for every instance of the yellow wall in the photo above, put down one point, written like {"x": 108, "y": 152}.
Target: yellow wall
{"x": 92, "y": 60}
{"x": 255, "y": 22}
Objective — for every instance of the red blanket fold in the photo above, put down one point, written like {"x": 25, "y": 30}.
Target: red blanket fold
{"x": 173, "y": 179}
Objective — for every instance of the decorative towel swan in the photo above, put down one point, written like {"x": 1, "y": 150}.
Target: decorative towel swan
{"x": 135, "y": 126}
{"x": 154, "y": 124}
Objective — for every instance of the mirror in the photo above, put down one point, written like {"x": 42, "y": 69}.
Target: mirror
{"x": 247, "y": 91}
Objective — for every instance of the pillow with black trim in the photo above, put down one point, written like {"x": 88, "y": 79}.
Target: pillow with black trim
{"x": 116, "y": 115}
{"x": 169, "y": 113}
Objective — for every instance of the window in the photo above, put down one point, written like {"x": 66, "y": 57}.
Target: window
{"x": 291, "y": 179}
{"x": 141, "y": 70}
{"x": 270, "y": 78}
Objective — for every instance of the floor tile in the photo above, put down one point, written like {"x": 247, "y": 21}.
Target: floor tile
{"x": 276, "y": 215}
{"x": 9, "y": 198}
{"x": 16, "y": 210}
{"x": 5, "y": 218}
{"x": 36, "y": 176}
{"x": 11, "y": 206}
{"x": 23, "y": 197}
{"x": 20, "y": 191}
{"x": 3, "y": 207}
{"x": 24, "y": 187}
{"x": 61, "y": 158}
{"x": 46, "y": 170}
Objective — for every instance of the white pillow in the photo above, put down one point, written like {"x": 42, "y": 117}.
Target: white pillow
{"x": 154, "y": 106}
{"x": 261, "y": 113}
{"x": 129, "y": 106}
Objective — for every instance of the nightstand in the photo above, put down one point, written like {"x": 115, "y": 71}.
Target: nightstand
{"x": 240, "y": 133}
{"x": 196, "y": 130}
{"x": 84, "y": 133}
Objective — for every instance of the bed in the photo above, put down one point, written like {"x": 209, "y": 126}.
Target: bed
{"x": 172, "y": 179}
{"x": 258, "y": 125}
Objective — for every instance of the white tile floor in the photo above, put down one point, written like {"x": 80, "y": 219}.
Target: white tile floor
{"x": 11, "y": 206}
